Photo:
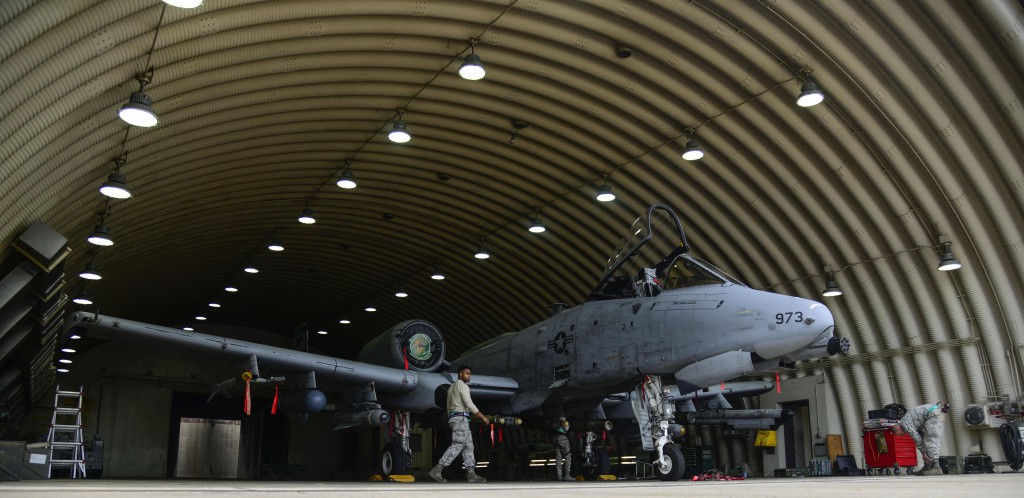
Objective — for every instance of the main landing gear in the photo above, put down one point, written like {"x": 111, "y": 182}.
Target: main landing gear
{"x": 594, "y": 460}
{"x": 396, "y": 457}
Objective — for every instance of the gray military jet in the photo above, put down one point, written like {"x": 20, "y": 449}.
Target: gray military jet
{"x": 659, "y": 329}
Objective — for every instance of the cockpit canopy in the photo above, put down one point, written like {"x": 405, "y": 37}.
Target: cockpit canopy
{"x": 653, "y": 257}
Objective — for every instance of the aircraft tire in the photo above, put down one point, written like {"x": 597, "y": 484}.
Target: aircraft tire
{"x": 674, "y": 470}
{"x": 598, "y": 466}
{"x": 394, "y": 461}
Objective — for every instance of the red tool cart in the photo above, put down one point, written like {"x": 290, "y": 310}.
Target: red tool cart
{"x": 887, "y": 453}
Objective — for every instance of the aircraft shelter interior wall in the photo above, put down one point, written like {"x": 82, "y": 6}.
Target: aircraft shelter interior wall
{"x": 822, "y": 411}
{"x": 128, "y": 403}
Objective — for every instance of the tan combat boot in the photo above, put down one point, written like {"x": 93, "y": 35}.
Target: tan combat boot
{"x": 435, "y": 473}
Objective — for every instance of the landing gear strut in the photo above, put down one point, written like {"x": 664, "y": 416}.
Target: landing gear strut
{"x": 595, "y": 461}
{"x": 396, "y": 457}
{"x": 655, "y": 414}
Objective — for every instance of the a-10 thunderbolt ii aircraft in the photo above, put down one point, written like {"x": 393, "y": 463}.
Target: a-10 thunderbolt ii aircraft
{"x": 659, "y": 329}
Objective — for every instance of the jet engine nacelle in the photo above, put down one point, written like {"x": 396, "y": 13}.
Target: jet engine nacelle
{"x": 307, "y": 401}
{"x": 413, "y": 344}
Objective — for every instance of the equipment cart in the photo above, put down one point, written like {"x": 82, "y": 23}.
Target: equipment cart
{"x": 886, "y": 453}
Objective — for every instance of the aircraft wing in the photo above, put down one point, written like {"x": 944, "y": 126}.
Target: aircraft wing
{"x": 396, "y": 387}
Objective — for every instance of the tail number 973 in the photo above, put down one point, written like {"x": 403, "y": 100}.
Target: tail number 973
{"x": 789, "y": 316}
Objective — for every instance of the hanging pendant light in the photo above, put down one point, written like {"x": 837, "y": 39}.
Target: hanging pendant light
{"x": 437, "y": 274}
{"x": 83, "y": 298}
{"x": 116, "y": 186}
{"x": 101, "y": 235}
{"x": 832, "y": 288}
{"x": 90, "y": 272}
{"x": 139, "y": 109}
{"x": 399, "y": 134}
{"x": 482, "y": 253}
{"x": 347, "y": 181}
{"x": 537, "y": 226}
{"x": 948, "y": 261}
{"x": 184, "y": 4}
{"x": 810, "y": 94}
{"x": 604, "y": 194}
{"x": 472, "y": 68}
{"x": 306, "y": 218}
{"x": 692, "y": 151}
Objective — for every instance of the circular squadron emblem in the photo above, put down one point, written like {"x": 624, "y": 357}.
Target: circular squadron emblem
{"x": 419, "y": 347}
{"x": 422, "y": 346}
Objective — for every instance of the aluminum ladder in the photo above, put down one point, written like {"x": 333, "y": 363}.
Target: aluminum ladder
{"x": 66, "y": 448}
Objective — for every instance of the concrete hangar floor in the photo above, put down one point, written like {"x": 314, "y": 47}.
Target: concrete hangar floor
{"x": 873, "y": 487}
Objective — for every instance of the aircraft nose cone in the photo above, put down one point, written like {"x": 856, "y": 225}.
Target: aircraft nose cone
{"x": 796, "y": 325}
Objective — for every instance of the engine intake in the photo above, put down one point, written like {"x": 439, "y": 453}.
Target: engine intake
{"x": 413, "y": 344}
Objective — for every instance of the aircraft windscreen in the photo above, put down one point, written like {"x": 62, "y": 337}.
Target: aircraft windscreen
{"x": 689, "y": 271}
{"x": 651, "y": 238}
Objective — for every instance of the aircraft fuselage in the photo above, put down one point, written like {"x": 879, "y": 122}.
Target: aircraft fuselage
{"x": 601, "y": 346}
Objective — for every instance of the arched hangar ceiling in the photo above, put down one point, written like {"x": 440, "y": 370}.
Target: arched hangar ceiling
{"x": 262, "y": 102}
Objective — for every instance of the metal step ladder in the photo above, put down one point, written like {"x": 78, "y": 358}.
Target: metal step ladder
{"x": 66, "y": 448}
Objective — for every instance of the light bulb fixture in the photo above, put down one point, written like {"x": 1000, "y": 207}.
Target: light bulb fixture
{"x": 251, "y": 269}
{"x": 184, "y": 4}
{"x": 275, "y": 245}
{"x": 472, "y": 68}
{"x": 401, "y": 292}
{"x": 200, "y": 317}
{"x": 482, "y": 253}
{"x": 215, "y": 305}
{"x": 231, "y": 289}
{"x": 347, "y": 181}
{"x": 321, "y": 332}
{"x": 810, "y": 94}
{"x": 437, "y": 274}
{"x": 537, "y": 226}
{"x": 948, "y": 261}
{"x": 399, "y": 133}
{"x": 65, "y": 361}
{"x": 344, "y": 321}
{"x": 139, "y": 109}
{"x": 604, "y": 194}
{"x": 63, "y": 370}
{"x": 187, "y": 329}
{"x": 370, "y": 309}
{"x": 75, "y": 337}
{"x": 83, "y": 298}
{"x": 90, "y": 272}
{"x": 306, "y": 218}
{"x": 67, "y": 350}
{"x": 832, "y": 288}
{"x": 101, "y": 235}
{"x": 692, "y": 151}
{"x": 116, "y": 185}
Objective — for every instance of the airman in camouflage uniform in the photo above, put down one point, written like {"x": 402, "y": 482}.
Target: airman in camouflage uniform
{"x": 460, "y": 408}
{"x": 563, "y": 451}
{"x": 924, "y": 424}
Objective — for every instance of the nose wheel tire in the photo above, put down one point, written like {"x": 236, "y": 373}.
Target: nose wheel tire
{"x": 673, "y": 468}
